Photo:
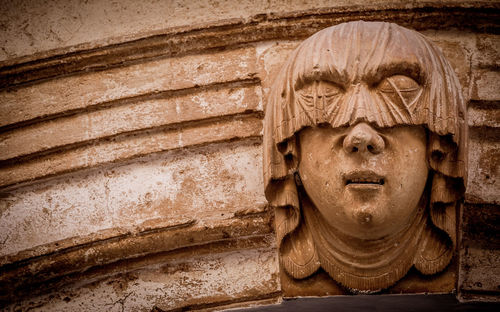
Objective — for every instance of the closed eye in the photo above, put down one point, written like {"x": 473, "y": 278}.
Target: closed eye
{"x": 398, "y": 83}
{"x": 401, "y": 90}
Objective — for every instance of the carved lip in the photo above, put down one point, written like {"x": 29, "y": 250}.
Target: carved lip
{"x": 363, "y": 178}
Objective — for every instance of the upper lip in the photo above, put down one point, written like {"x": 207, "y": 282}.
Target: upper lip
{"x": 363, "y": 177}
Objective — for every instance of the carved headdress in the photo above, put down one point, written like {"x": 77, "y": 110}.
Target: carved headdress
{"x": 364, "y": 56}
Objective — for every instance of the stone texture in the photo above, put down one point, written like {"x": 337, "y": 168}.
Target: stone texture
{"x": 205, "y": 184}
{"x": 482, "y": 268}
{"x": 484, "y": 161}
{"x": 192, "y": 39}
{"x": 488, "y": 50}
{"x": 484, "y": 114}
{"x": 130, "y": 146}
{"x": 322, "y": 285}
{"x": 486, "y": 85}
{"x": 347, "y": 163}
{"x": 129, "y": 117}
{"x": 29, "y": 28}
{"x": 67, "y": 94}
{"x": 459, "y": 47}
{"x": 189, "y": 282}
{"x": 480, "y": 252}
{"x": 270, "y": 56}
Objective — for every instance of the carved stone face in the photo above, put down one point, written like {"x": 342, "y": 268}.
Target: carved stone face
{"x": 365, "y": 182}
{"x": 370, "y": 116}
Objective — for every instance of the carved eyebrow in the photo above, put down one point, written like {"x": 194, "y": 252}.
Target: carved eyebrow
{"x": 412, "y": 70}
{"x": 329, "y": 74}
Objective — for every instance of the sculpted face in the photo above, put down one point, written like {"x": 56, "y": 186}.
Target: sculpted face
{"x": 359, "y": 111}
{"x": 366, "y": 182}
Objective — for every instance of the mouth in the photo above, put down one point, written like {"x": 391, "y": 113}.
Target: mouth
{"x": 363, "y": 178}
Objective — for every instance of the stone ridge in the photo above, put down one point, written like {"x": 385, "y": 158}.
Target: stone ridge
{"x": 130, "y": 145}
{"x": 138, "y": 114}
{"x": 478, "y": 16}
{"x": 21, "y": 271}
{"x": 82, "y": 121}
{"x": 69, "y": 94}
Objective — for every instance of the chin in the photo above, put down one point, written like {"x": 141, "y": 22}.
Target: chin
{"x": 371, "y": 221}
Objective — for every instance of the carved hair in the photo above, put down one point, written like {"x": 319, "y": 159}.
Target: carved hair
{"x": 335, "y": 55}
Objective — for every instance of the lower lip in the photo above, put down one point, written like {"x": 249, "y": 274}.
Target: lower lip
{"x": 364, "y": 186}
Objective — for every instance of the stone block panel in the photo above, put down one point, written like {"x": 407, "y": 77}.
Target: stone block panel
{"x": 78, "y": 92}
{"x": 484, "y": 166}
{"x": 480, "y": 252}
{"x": 458, "y": 48}
{"x": 488, "y": 51}
{"x": 484, "y": 114}
{"x": 474, "y": 57}
{"x": 190, "y": 280}
{"x": 130, "y": 145}
{"x": 486, "y": 85}
{"x": 206, "y": 184}
{"x": 198, "y": 104}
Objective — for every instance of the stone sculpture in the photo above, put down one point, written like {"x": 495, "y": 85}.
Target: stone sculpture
{"x": 365, "y": 156}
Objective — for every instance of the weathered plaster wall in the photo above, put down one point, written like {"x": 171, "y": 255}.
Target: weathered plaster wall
{"x": 130, "y": 150}
{"x": 35, "y": 27}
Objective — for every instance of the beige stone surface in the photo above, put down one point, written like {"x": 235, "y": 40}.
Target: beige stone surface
{"x": 192, "y": 281}
{"x": 67, "y": 94}
{"x": 129, "y": 146}
{"x": 136, "y": 115}
{"x": 130, "y": 170}
{"x": 459, "y": 47}
{"x": 484, "y": 163}
{"x": 205, "y": 184}
{"x": 486, "y": 85}
{"x": 484, "y": 115}
{"x": 29, "y": 28}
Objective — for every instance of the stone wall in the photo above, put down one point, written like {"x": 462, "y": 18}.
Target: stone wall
{"x": 130, "y": 147}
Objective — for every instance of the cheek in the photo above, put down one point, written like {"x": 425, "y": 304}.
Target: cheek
{"x": 411, "y": 178}
{"x": 320, "y": 177}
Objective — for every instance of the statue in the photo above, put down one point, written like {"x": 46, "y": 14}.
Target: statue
{"x": 365, "y": 156}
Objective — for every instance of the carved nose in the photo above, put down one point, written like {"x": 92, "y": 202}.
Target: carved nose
{"x": 363, "y": 138}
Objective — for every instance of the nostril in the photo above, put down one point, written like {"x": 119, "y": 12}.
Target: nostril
{"x": 363, "y": 138}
